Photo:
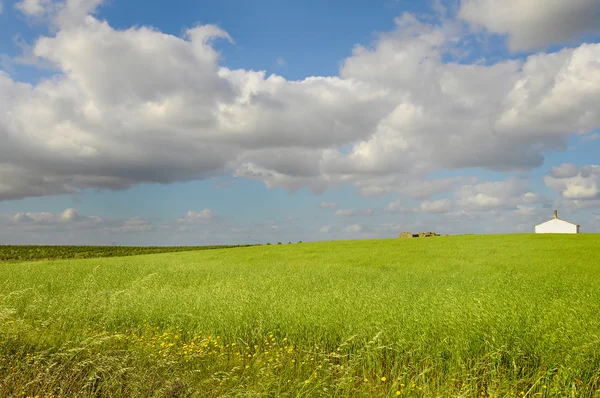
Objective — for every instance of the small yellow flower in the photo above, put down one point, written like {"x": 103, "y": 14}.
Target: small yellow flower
{"x": 366, "y": 380}
{"x": 398, "y": 392}
{"x": 383, "y": 378}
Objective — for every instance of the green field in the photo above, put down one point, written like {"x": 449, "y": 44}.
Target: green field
{"x": 513, "y": 315}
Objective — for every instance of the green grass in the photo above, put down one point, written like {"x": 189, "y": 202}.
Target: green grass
{"x": 513, "y": 315}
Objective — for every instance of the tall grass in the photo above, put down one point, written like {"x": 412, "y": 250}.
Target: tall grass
{"x": 450, "y": 316}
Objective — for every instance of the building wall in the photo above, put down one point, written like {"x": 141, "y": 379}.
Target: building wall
{"x": 556, "y": 226}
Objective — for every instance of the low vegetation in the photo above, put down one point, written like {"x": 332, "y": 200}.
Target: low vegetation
{"x": 467, "y": 316}
{"x": 20, "y": 253}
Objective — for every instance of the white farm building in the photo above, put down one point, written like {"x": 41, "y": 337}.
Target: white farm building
{"x": 557, "y": 226}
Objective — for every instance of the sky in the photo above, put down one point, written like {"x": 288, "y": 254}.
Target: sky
{"x": 226, "y": 122}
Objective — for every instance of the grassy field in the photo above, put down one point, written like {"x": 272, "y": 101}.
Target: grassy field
{"x": 513, "y": 315}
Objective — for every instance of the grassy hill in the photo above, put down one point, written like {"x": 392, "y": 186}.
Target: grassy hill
{"x": 509, "y": 315}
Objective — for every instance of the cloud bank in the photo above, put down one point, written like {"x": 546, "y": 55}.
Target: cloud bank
{"x": 136, "y": 106}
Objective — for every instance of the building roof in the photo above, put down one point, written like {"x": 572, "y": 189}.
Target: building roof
{"x": 560, "y": 221}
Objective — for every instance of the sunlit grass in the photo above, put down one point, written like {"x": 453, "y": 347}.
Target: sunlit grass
{"x": 449, "y": 316}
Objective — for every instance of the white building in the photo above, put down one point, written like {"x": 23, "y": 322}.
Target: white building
{"x": 557, "y": 226}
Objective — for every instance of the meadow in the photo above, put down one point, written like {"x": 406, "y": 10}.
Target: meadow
{"x": 458, "y": 316}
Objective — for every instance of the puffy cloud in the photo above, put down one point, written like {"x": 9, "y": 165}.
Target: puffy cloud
{"x": 526, "y": 211}
{"x": 407, "y": 186}
{"x": 534, "y": 24}
{"x": 498, "y": 195}
{"x": 71, "y": 220}
{"x": 61, "y": 14}
{"x": 586, "y": 204}
{"x": 133, "y": 224}
{"x": 197, "y": 217}
{"x": 575, "y": 183}
{"x": 396, "y": 206}
{"x": 436, "y": 206}
{"x": 33, "y": 8}
{"x": 427, "y": 206}
{"x": 355, "y": 228}
{"x": 325, "y": 229}
{"x": 70, "y": 215}
{"x": 328, "y": 205}
{"x": 354, "y": 213}
{"x": 114, "y": 117}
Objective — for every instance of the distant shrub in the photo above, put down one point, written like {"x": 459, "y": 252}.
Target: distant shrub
{"x": 278, "y": 243}
{"x": 268, "y": 244}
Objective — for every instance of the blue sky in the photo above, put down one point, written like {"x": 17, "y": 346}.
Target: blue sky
{"x": 187, "y": 122}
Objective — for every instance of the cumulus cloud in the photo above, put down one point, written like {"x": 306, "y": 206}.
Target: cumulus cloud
{"x": 325, "y": 229}
{"x": 60, "y": 14}
{"x": 436, "y": 206}
{"x": 113, "y": 117}
{"x": 71, "y": 220}
{"x": 354, "y": 213}
{"x": 355, "y": 228}
{"x": 499, "y": 195}
{"x": 534, "y": 24}
{"x": 33, "y": 8}
{"x": 426, "y": 206}
{"x": 396, "y": 206}
{"x": 328, "y": 205}
{"x": 586, "y": 204}
{"x": 573, "y": 182}
{"x": 197, "y": 217}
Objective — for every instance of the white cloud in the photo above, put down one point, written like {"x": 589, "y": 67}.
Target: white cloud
{"x": 534, "y": 24}
{"x": 407, "y": 186}
{"x": 280, "y": 61}
{"x": 396, "y": 206}
{"x": 586, "y": 204}
{"x": 355, "y": 228}
{"x": 436, "y": 206}
{"x": 325, "y": 229}
{"x": 113, "y": 117}
{"x": 65, "y": 14}
{"x": 197, "y": 217}
{"x": 70, "y": 215}
{"x": 354, "y": 213}
{"x": 33, "y": 8}
{"x": 328, "y": 205}
{"x": 71, "y": 220}
{"x": 575, "y": 183}
{"x": 427, "y": 206}
{"x": 526, "y": 211}
{"x": 499, "y": 195}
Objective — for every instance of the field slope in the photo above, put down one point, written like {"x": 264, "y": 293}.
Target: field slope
{"x": 513, "y": 315}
